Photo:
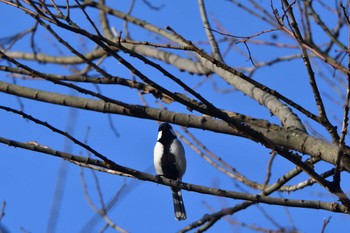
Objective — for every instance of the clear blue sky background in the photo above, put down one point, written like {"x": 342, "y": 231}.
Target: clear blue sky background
{"x": 28, "y": 180}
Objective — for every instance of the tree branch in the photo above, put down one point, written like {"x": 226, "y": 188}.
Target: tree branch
{"x": 121, "y": 170}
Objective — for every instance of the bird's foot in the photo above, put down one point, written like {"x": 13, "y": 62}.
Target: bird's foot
{"x": 177, "y": 181}
{"x": 158, "y": 178}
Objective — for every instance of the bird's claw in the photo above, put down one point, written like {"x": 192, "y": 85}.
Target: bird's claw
{"x": 158, "y": 178}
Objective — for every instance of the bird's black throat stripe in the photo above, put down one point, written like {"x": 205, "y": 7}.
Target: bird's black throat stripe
{"x": 168, "y": 162}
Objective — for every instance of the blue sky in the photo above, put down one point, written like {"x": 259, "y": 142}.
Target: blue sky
{"x": 28, "y": 179}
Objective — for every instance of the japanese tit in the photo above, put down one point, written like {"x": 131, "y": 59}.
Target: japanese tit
{"x": 170, "y": 162}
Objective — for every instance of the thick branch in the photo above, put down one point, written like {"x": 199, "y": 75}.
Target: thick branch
{"x": 293, "y": 139}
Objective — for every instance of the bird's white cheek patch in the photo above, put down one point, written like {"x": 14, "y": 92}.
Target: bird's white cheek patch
{"x": 159, "y": 135}
{"x": 158, "y": 151}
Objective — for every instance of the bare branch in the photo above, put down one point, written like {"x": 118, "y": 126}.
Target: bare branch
{"x": 207, "y": 28}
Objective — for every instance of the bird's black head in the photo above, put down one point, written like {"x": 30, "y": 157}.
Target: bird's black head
{"x": 164, "y": 127}
{"x": 166, "y": 131}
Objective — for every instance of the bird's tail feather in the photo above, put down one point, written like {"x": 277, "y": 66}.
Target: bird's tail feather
{"x": 179, "y": 208}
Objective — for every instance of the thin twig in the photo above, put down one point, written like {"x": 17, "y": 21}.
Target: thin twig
{"x": 344, "y": 131}
{"x": 212, "y": 41}
{"x": 2, "y": 211}
{"x": 325, "y": 224}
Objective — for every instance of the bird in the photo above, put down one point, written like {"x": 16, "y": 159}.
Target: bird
{"x": 170, "y": 162}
